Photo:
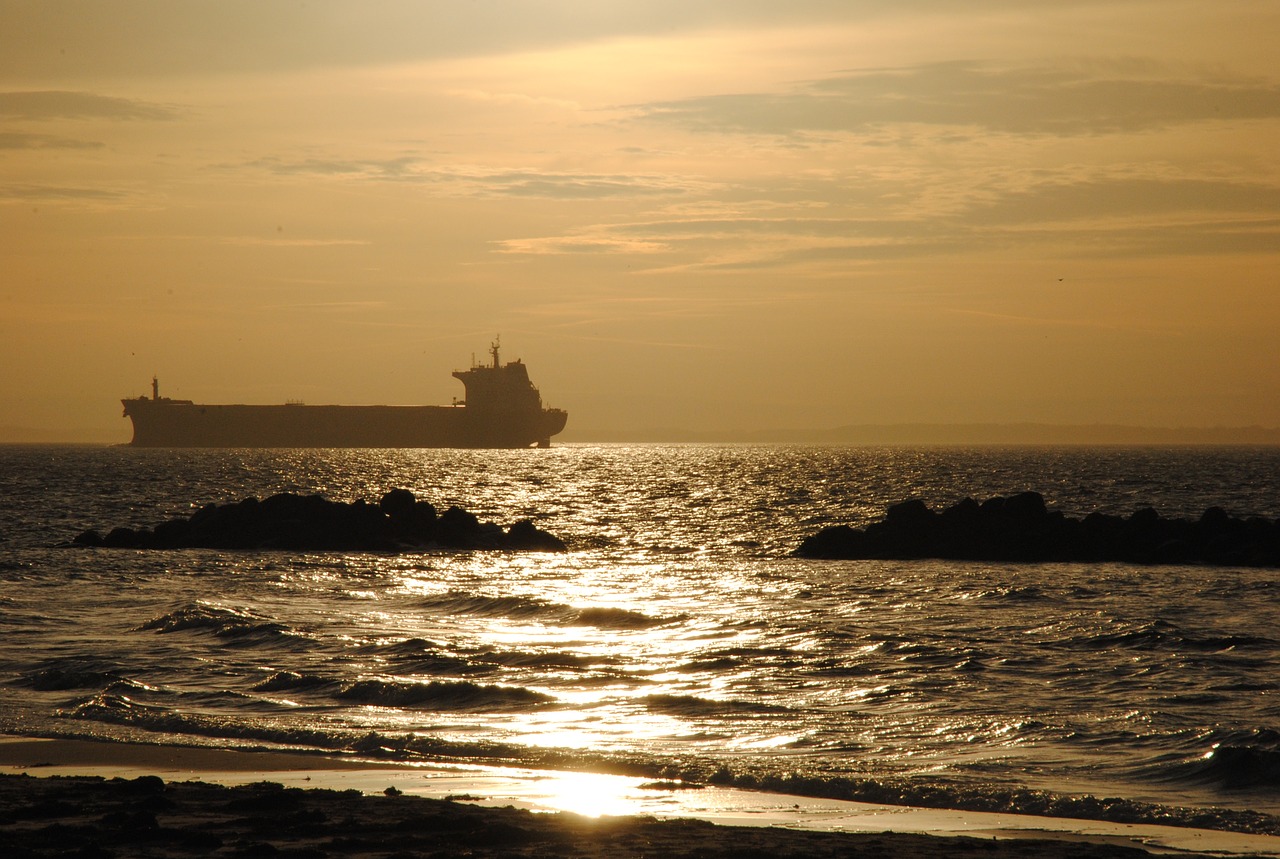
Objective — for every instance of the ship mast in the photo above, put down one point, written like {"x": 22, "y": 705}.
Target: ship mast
{"x": 493, "y": 349}
{"x": 155, "y": 387}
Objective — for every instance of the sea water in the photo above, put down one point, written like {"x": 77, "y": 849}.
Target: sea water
{"x": 677, "y": 638}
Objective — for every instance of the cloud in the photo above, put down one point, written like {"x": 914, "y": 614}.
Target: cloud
{"x": 1107, "y": 216}
{"x": 1120, "y": 197}
{"x": 56, "y": 41}
{"x": 59, "y": 104}
{"x": 580, "y": 185}
{"x": 20, "y": 140}
{"x": 328, "y": 306}
{"x": 386, "y": 169}
{"x": 256, "y": 241}
{"x": 56, "y": 192}
{"x": 486, "y": 182}
{"x": 960, "y": 94}
{"x": 559, "y": 245}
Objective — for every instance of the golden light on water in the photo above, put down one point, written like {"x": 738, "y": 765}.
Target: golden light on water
{"x": 589, "y": 794}
{"x": 584, "y": 793}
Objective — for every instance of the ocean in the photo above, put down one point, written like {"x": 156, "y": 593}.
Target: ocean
{"x": 677, "y": 638}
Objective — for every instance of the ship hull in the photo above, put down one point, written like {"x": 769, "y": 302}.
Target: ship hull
{"x": 168, "y": 423}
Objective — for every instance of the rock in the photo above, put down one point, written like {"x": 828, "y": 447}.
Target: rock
{"x": 523, "y": 535}
{"x": 1021, "y": 529}
{"x": 1025, "y": 506}
{"x": 398, "y": 504}
{"x": 312, "y": 523}
{"x": 125, "y": 538}
{"x": 88, "y": 538}
{"x": 909, "y": 514}
{"x": 837, "y": 541}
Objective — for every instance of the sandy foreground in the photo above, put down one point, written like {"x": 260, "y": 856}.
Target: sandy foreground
{"x": 77, "y": 798}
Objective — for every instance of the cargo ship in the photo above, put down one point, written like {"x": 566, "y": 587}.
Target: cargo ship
{"x": 502, "y": 409}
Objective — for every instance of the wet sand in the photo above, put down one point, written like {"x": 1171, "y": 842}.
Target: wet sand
{"x": 110, "y": 799}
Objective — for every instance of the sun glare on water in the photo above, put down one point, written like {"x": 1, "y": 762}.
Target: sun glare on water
{"x": 589, "y": 794}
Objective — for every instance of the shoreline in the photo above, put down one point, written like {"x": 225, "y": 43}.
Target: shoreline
{"x": 567, "y": 805}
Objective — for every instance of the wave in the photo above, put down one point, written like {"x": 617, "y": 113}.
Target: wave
{"x": 1235, "y": 760}
{"x": 520, "y": 659}
{"x": 693, "y": 707}
{"x": 71, "y": 673}
{"x": 527, "y": 608}
{"x": 617, "y": 618}
{"x": 404, "y": 647}
{"x": 912, "y": 792}
{"x": 242, "y": 626}
{"x": 461, "y": 602}
{"x": 290, "y": 681}
{"x": 746, "y": 653}
{"x": 116, "y": 709}
{"x": 443, "y": 665}
{"x": 1232, "y": 767}
{"x": 419, "y": 656}
{"x": 1016, "y": 593}
{"x": 995, "y": 798}
{"x": 438, "y": 695}
{"x": 1161, "y": 634}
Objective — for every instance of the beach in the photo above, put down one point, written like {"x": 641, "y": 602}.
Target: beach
{"x": 71, "y": 797}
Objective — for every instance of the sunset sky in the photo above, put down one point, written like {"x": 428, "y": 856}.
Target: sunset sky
{"x": 713, "y": 215}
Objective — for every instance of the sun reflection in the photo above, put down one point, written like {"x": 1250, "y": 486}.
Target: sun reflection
{"x": 588, "y": 794}
{"x": 769, "y": 742}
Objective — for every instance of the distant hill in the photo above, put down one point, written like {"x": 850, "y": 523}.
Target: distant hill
{"x": 948, "y": 434}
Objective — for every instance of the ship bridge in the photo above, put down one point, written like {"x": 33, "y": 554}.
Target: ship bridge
{"x": 499, "y": 387}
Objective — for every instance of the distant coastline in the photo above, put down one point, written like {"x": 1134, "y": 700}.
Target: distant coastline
{"x": 892, "y": 435}
{"x": 926, "y": 434}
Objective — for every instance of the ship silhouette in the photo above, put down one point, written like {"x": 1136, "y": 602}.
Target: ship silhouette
{"x": 502, "y": 409}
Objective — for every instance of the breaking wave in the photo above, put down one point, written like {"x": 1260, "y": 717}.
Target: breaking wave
{"x": 927, "y": 794}
{"x": 527, "y": 608}
{"x": 438, "y": 695}
{"x": 1236, "y": 760}
{"x": 240, "y": 625}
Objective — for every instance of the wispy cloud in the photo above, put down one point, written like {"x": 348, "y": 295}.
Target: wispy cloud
{"x": 57, "y": 192}
{"x": 1022, "y": 321}
{"x": 579, "y": 186}
{"x": 462, "y": 180}
{"x": 20, "y": 140}
{"x": 386, "y": 169}
{"x": 1122, "y": 196}
{"x": 328, "y": 306}
{"x": 273, "y": 241}
{"x": 149, "y": 37}
{"x": 555, "y": 245}
{"x": 1036, "y": 100}
{"x": 1104, "y": 215}
{"x": 58, "y": 104}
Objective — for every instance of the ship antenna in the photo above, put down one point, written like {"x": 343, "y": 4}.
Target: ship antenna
{"x": 493, "y": 350}
{"x": 155, "y": 387}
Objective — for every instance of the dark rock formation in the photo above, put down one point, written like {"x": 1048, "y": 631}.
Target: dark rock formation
{"x": 1020, "y": 528}
{"x": 312, "y": 523}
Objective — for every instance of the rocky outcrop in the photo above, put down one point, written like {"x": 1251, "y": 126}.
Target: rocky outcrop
{"x": 1020, "y": 528}
{"x": 397, "y": 522}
